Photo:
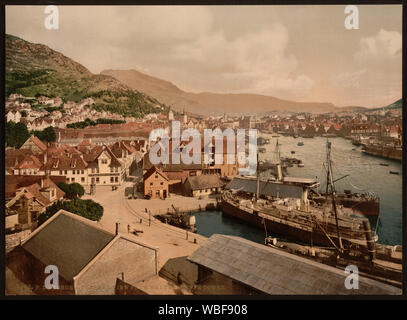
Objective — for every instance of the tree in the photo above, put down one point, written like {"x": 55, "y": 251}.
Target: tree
{"x": 72, "y": 191}
{"x": 48, "y": 134}
{"x": 16, "y": 134}
{"x": 85, "y": 208}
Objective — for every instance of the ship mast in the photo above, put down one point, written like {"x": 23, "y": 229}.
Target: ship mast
{"x": 331, "y": 189}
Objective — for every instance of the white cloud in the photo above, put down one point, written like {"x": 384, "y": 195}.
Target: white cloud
{"x": 257, "y": 62}
{"x": 384, "y": 45}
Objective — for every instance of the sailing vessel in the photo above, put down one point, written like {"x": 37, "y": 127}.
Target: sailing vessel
{"x": 366, "y": 204}
{"x": 282, "y": 207}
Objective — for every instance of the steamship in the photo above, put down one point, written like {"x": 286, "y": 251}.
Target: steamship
{"x": 281, "y": 206}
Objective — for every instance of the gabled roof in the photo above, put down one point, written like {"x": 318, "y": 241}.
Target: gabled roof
{"x": 153, "y": 170}
{"x": 67, "y": 241}
{"x": 24, "y": 192}
{"x": 272, "y": 271}
{"x": 114, "y": 162}
{"x": 37, "y": 142}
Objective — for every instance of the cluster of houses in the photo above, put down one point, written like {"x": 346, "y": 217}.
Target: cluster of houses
{"x": 33, "y": 170}
{"x": 20, "y": 109}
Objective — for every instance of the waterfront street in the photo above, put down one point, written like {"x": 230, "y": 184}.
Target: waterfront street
{"x": 170, "y": 240}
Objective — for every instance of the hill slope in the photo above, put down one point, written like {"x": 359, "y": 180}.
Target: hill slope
{"x": 206, "y": 103}
{"x": 35, "y": 69}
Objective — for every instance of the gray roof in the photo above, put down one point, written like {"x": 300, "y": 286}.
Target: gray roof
{"x": 268, "y": 188}
{"x": 205, "y": 181}
{"x": 273, "y": 271}
{"x": 67, "y": 242}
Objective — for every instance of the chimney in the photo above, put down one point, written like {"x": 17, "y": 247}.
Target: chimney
{"x": 117, "y": 228}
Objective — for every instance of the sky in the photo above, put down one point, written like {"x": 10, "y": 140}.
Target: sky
{"x": 301, "y": 53}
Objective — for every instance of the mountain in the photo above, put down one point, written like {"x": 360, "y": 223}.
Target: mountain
{"x": 35, "y": 69}
{"x": 352, "y": 109}
{"x": 208, "y": 103}
{"x": 395, "y": 105}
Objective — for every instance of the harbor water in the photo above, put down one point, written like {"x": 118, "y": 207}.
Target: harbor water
{"x": 366, "y": 175}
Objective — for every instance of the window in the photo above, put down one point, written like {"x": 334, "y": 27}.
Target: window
{"x": 116, "y": 179}
{"x": 73, "y": 179}
{"x": 156, "y": 176}
{"x": 97, "y": 180}
{"x": 151, "y": 183}
{"x": 104, "y": 161}
{"x": 111, "y": 180}
{"x": 162, "y": 183}
{"x": 60, "y": 172}
{"x": 82, "y": 171}
{"x": 66, "y": 171}
{"x": 82, "y": 179}
{"x": 73, "y": 171}
{"x": 111, "y": 169}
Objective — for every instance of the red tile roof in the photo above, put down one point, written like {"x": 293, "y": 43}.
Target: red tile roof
{"x": 38, "y": 142}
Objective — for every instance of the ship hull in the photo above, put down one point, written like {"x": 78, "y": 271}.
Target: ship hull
{"x": 305, "y": 235}
{"x": 384, "y": 152}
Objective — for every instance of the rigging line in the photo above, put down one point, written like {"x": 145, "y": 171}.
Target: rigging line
{"x": 360, "y": 189}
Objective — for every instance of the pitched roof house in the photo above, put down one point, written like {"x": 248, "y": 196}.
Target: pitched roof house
{"x": 34, "y": 144}
{"x": 88, "y": 258}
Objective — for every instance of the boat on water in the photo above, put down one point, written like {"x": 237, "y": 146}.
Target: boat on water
{"x": 300, "y": 143}
{"x": 289, "y": 162}
{"x": 280, "y": 211}
{"x": 384, "y": 164}
{"x": 393, "y": 172}
{"x": 282, "y": 207}
{"x": 359, "y": 203}
{"x": 179, "y": 219}
{"x": 383, "y": 151}
{"x": 300, "y": 165}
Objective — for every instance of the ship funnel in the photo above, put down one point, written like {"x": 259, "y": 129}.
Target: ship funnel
{"x": 279, "y": 172}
